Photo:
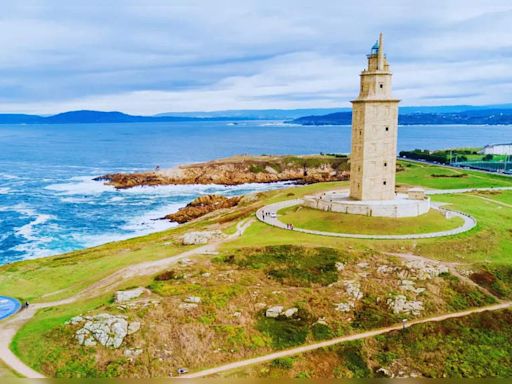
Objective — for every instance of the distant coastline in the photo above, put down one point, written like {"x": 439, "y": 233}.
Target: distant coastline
{"x": 437, "y": 115}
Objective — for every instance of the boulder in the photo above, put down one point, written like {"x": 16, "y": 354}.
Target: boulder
{"x": 339, "y": 266}
{"x": 274, "y": 311}
{"x": 122, "y": 296}
{"x": 105, "y": 329}
{"x": 291, "y": 312}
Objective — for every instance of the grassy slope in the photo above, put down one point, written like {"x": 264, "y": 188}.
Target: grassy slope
{"x": 308, "y": 218}
{"x": 491, "y": 241}
{"x": 478, "y": 346}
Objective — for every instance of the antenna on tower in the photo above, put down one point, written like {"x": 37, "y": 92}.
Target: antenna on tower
{"x": 380, "y": 54}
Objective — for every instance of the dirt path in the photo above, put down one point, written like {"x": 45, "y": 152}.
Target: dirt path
{"x": 12, "y": 325}
{"x": 338, "y": 340}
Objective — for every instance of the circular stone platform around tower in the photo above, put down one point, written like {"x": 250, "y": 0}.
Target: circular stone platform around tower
{"x": 402, "y": 206}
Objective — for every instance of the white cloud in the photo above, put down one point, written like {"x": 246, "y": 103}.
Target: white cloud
{"x": 196, "y": 55}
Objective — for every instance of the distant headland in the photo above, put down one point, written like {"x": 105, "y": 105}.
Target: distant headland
{"x": 433, "y": 115}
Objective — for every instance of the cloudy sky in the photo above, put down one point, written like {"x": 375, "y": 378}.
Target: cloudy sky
{"x": 187, "y": 55}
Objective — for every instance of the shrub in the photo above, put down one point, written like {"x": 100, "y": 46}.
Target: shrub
{"x": 283, "y": 363}
{"x": 285, "y": 332}
{"x": 321, "y": 331}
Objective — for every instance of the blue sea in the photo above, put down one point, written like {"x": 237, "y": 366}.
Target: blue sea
{"x": 49, "y": 203}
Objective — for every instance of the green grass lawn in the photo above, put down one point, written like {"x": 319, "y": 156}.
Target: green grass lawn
{"x": 421, "y": 174}
{"x": 309, "y": 218}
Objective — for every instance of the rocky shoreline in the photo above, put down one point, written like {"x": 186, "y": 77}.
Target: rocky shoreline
{"x": 202, "y": 206}
{"x": 240, "y": 170}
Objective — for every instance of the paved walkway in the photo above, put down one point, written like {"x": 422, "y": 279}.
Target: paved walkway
{"x": 272, "y": 209}
{"x": 338, "y": 340}
{"x": 11, "y": 326}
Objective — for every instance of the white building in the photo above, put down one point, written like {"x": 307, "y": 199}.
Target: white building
{"x": 497, "y": 149}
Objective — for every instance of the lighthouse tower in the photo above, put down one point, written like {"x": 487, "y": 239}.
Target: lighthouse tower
{"x": 374, "y": 132}
{"x": 373, "y": 158}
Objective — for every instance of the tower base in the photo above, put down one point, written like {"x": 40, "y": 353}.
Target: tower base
{"x": 401, "y": 206}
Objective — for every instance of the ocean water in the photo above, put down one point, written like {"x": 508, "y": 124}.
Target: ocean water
{"x": 49, "y": 203}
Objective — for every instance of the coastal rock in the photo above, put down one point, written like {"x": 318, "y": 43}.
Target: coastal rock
{"x": 122, "y": 296}
{"x": 194, "y": 238}
{"x": 105, "y": 329}
{"x": 201, "y": 206}
{"x": 240, "y": 170}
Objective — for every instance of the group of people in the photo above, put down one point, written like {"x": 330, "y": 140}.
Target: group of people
{"x": 289, "y": 226}
{"x": 265, "y": 214}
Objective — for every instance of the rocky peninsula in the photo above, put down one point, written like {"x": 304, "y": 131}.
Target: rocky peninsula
{"x": 238, "y": 170}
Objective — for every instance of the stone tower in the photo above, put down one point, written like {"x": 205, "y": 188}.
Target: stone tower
{"x": 374, "y": 132}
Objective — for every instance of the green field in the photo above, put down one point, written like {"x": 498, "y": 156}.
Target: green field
{"x": 422, "y": 174}
{"x": 309, "y": 218}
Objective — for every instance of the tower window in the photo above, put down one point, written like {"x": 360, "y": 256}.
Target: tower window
{"x": 387, "y": 129}
{"x": 381, "y": 85}
{"x": 384, "y": 182}
{"x": 385, "y": 164}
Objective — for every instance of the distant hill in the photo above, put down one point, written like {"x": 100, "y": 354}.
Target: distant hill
{"x": 259, "y": 114}
{"x": 458, "y": 114}
{"x": 87, "y": 117}
{"x": 471, "y": 117}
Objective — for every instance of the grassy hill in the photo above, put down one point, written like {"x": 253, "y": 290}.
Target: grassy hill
{"x": 268, "y": 266}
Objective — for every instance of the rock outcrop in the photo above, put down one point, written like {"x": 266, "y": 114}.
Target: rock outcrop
{"x": 201, "y": 206}
{"x": 240, "y": 170}
{"x": 123, "y": 296}
{"x": 105, "y": 329}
